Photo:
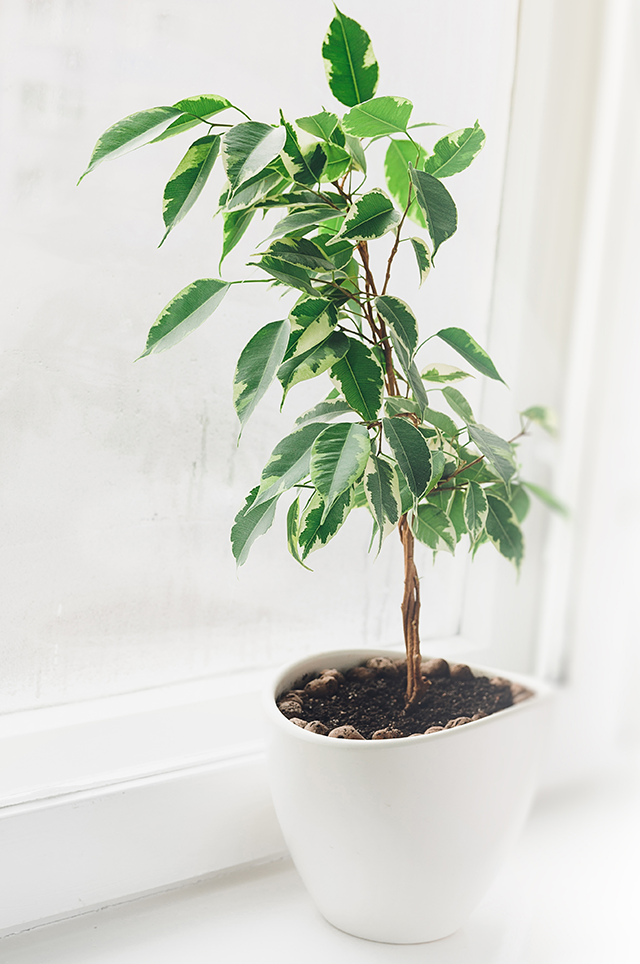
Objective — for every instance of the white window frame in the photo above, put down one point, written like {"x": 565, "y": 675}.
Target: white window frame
{"x": 147, "y": 790}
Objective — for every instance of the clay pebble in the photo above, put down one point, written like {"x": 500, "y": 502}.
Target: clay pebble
{"x": 289, "y": 708}
{"x": 337, "y": 675}
{"x": 382, "y": 666}
{"x": 459, "y": 721}
{"x": 435, "y": 668}
{"x": 434, "y": 729}
{"x": 389, "y": 733}
{"x": 317, "y": 727}
{"x": 346, "y": 733}
{"x": 298, "y": 721}
{"x": 364, "y": 673}
{"x": 322, "y": 686}
{"x": 460, "y": 671}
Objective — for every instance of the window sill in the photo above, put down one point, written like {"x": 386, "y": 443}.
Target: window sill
{"x": 567, "y": 895}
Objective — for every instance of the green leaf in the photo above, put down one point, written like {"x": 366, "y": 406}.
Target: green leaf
{"x": 131, "y": 132}
{"x": 301, "y": 252}
{"x": 257, "y": 366}
{"x": 547, "y": 498}
{"x": 400, "y": 154}
{"x": 314, "y": 533}
{"x": 194, "y": 111}
{"x": 441, "y": 421}
{"x": 371, "y": 216}
{"x": 339, "y": 254}
{"x": 254, "y": 190}
{"x": 250, "y": 523}
{"x": 235, "y": 223}
{"x": 468, "y": 347}
{"x": 503, "y": 530}
{"x": 438, "y": 465}
{"x": 498, "y": 451}
{"x": 433, "y": 528}
{"x": 458, "y": 403}
{"x": 423, "y": 257}
{"x": 455, "y": 152}
{"x": 321, "y": 125}
{"x": 338, "y": 459}
{"x": 293, "y": 530}
{"x": 325, "y": 411}
{"x": 411, "y": 451}
{"x": 439, "y": 373}
{"x": 248, "y": 148}
{"x": 382, "y": 115}
{"x": 316, "y": 359}
{"x": 356, "y": 150}
{"x": 545, "y": 417}
{"x": 338, "y": 162}
{"x": 475, "y": 510}
{"x": 303, "y": 168}
{"x": 349, "y": 60}
{"x": 478, "y": 471}
{"x": 403, "y": 325}
{"x": 289, "y": 274}
{"x": 184, "y": 313}
{"x": 382, "y": 494}
{"x": 185, "y": 184}
{"x": 416, "y": 385}
{"x": 289, "y": 462}
{"x": 361, "y": 379}
{"x": 397, "y": 405}
{"x": 456, "y": 512}
{"x": 515, "y": 496}
{"x": 301, "y": 221}
{"x": 437, "y": 205}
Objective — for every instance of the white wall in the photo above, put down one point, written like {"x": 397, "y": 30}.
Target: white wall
{"x": 120, "y": 481}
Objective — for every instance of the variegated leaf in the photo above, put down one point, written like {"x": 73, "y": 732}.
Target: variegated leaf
{"x": 455, "y": 152}
{"x": 131, "y": 132}
{"x": 289, "y": 462}
{"x": 184, "y": 313}
{"x": 248, "y": 148}
{"x": 315, "y": 360}
{"x": 338, "y": 459}
{"x": 251, "y": 522}
{"x": 361, "y": 379}
{"x": 468, "y": 347}
{"x": 503, "y": 530}
{"x": 371, "y": 216}
{"x": 195, "y": 110}
{"x": 437, "y": 206}
{"x": 411, "y": 452}
{"x": 381, "y": 115}
{"x": 497, "y": 450}
{"x": 423, "y": 258}
{"x": 314, "y": 533}
{"x": 433, "y": 528}
{"x": 475, "y": 510}
{"x": 257, "y": 367}
{"x": 349, "y": 60}
{"x": 188, "y": 179}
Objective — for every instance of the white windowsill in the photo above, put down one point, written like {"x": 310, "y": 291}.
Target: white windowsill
{"x": 569, "y": 895}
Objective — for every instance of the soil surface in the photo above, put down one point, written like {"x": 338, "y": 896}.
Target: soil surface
{"x": 368, "y": 701}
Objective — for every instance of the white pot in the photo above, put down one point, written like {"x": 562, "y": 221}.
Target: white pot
{"x": 398, "y": 840}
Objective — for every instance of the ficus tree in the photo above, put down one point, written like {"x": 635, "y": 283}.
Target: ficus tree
{"x": 379, "y": 440}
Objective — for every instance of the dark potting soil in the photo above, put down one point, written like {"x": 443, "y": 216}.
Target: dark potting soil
{"x": 372, "y": 700}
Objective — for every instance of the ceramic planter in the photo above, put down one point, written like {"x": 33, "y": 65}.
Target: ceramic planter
{"x": 398, "y": 840}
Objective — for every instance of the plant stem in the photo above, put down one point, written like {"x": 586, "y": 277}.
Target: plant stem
{"x": 416, "y": 686}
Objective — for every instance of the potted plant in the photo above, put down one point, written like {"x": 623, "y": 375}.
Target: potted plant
{"x": 396, "y": 829}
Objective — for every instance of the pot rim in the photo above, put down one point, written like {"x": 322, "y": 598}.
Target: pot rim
{"x": 542, "y": 690}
